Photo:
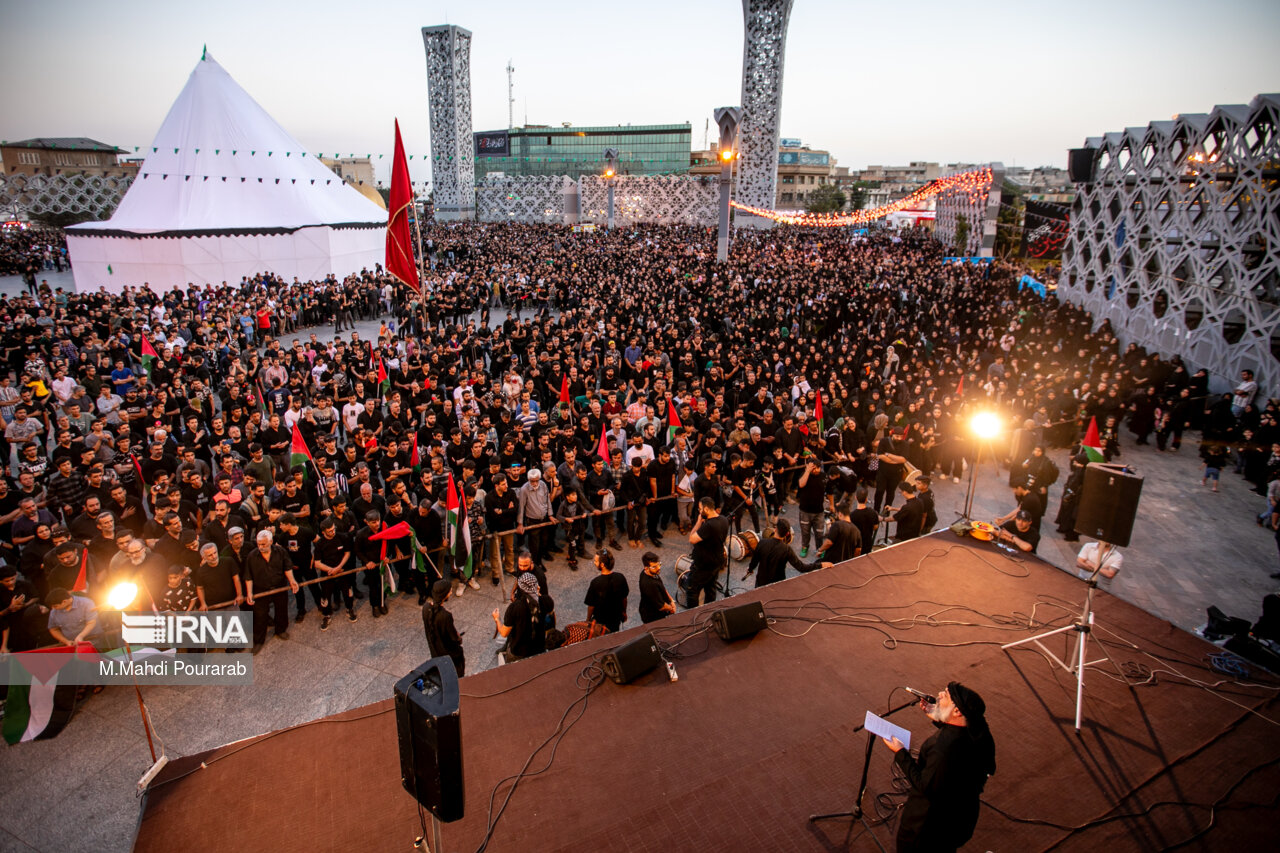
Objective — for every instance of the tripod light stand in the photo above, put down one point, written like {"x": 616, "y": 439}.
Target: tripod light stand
{"x": 1076, "y": 662}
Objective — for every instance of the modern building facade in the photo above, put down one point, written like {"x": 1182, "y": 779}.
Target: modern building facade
{"x": 533, "y": 150}
{"x": 1173, "y": 239}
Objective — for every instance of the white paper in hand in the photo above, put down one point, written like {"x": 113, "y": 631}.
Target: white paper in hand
{"x": 883, "y": 728}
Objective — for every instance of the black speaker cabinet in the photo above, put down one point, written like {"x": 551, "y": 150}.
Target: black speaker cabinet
{"x": 1082, "y": 165}
{"x": 632, "y": 660}
{"x": 1109, "y": 503}
{"x": 744, "y": 620}
{"x": 430, "y": 731}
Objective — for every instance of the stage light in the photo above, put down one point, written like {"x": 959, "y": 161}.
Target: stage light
{"x": 726, "y": 155}
{"x": 985, "y": 425}
{"x": 122, "y": 595}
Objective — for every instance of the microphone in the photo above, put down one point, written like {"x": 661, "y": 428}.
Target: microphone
{"x": 931, "y": 700}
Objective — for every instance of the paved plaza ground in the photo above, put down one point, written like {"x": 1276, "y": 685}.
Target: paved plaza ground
{"x": 1191, "y": 549}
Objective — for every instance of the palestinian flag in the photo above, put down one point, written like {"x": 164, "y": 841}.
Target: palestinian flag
{"x": 298, "y": 453}
{"x": 384, "y": 383}
{"x": 673, "y": 420}
{"x": 149, "y": 355}
{"x": 817, "y": 413}
{"x": 1092, "y": 444}
{"x": 385, "y": 535}
{"x": 38, "y": 707}
{"x": 455, "y": 522}
{"x": 415, "y": 459}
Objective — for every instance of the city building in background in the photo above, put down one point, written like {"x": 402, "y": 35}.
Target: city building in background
{"x": 801, "y": 170}
{"x": 660, "y": 149}
{"x": 358, "y": 173}
{"x": 76, "y": 155}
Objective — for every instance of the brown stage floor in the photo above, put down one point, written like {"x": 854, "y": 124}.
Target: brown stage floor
{"x": 759, "y": 734}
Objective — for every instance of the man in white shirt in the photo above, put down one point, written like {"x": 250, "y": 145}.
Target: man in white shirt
{"x": 1101, "y": 557}
{"x": 1243, "y": 395}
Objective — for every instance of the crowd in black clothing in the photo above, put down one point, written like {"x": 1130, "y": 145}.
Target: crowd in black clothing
{"x": 30, "y": 250}
{"x": 640, "y": 329}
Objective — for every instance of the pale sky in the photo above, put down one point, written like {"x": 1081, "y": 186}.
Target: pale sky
{"x": 872, "y": 82}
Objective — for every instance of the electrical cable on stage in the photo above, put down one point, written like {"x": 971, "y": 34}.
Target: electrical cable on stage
{"x": 591, "y": 677}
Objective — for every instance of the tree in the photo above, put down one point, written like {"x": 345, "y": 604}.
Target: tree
{"x": 825, "y": 199}
{"x": 1009, "y": 221}
{"x": 962, "y": 235}
{"x": 858, "y": 195}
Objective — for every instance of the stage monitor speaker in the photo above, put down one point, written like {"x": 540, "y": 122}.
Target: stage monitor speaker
{"x": 1082, "y": 165}
{"x": 733, "y": 623}
{"x": 1109, "y": 503}
{"x": 632, "y": 660}
{"x": 430, "y": 732}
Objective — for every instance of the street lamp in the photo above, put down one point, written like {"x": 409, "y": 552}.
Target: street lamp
{"x": 121, "y": 596}
{"x": 984, "y": 426}
{"x": 610, "y": 172}
{"x": 727, "y": 118}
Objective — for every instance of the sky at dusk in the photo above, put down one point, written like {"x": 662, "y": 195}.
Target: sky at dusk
{"x": 874, "y": 83}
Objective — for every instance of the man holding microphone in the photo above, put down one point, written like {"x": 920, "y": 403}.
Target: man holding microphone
{"x": 948, "y": 775}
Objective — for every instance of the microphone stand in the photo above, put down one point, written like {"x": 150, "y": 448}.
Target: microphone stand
{"x": 857, "y": 812}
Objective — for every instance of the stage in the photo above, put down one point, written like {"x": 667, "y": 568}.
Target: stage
{"x": 758, "y": 734}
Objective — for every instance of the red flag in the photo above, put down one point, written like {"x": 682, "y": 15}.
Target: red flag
{"x": 603, "y": 448}
{"x": 400, "y": 260}
{"x": 960, "y": 386}
{"x": 415, "y": 460}
{"x": 564, "y": 388}
{"x": 82, "y": 579}
{"x": 397, "y": 531}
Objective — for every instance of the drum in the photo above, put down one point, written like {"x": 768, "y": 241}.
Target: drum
{"x": 984, "y": 531}
{"x": 683, "y": 564}
{"x": 743, "y": 545}
{"x": 910, "y": 473}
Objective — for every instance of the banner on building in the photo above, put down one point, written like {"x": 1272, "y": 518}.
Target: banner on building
{"x": 493, "y": 143}
{"x": 804, "y": 158}
{"x": 1045, "y": 230}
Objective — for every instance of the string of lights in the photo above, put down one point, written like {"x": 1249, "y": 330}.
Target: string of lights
{"x": 974, "y": 183}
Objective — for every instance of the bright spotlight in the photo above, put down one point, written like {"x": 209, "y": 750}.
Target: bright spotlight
{"x": 985, "y": 425}
{"x": 726, "y": 155}
{"x": 122, "y": 595}
{"x": 608, "y": 173}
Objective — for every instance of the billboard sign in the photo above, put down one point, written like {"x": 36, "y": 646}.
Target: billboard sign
{"x": 493, "y": 143}
{"x": 804, "y": 158}
{"x": 789, "y": 143}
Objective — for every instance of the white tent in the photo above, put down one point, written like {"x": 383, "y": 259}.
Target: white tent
{"x": 225, "y": 192}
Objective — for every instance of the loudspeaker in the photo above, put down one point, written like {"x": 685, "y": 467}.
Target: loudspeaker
{"x": 430, "y": 732}
{"x": 1108, "y": 503}
{"x": 632, "y": 660}
{"x": 745, "y": 620}
{"x": 1082, "y": 165}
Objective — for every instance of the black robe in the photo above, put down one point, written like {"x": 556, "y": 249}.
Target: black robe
{"x": 946, "y": 780}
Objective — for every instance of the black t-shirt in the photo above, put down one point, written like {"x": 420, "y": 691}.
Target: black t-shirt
{"x": 527, "y": 637}
{"x": 216, "y": 581}
{"x": 865, "y": 519}
{"x": 708, "y": 553}
{"x": 653, "y": 597}
{"x": 608, "y": 595}
{"x": 1031, "y": 537}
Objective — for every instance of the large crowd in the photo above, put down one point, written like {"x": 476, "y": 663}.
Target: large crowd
{"x": 633, "y": 385}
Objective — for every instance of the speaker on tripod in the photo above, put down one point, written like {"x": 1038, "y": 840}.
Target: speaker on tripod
{"x": 1108, "y": 503}
{"x": 429, "y": 727}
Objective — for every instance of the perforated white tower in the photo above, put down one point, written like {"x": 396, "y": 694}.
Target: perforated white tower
{"x": 764, "y": 42}
{"x": 453, "y": 167}
{"x": 1173, "y": 240}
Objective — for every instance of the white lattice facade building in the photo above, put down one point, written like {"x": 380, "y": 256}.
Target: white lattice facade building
{"x": 764, "y": 42}
{"x": 453, "y": 167}
{"x": 1177, "y": 240}
{"x": 980, "y": 210}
